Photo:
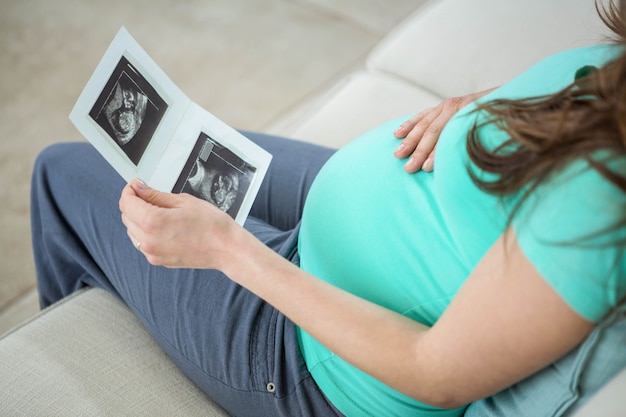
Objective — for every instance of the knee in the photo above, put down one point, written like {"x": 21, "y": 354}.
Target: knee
{"x": 60, "y": 153}
{"x": 60, "y": 157}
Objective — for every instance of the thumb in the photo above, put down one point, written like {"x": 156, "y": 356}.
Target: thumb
{"x": 152, "y": 196}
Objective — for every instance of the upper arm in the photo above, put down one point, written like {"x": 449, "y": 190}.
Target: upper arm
{"x": 538, "y": 290}
{"x": 505, "y": 323}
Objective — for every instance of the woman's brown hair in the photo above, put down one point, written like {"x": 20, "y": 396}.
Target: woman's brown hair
{"x": 546, "y": 133}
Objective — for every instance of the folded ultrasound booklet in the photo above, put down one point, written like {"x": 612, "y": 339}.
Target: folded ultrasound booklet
{"x": 145, "y": 127}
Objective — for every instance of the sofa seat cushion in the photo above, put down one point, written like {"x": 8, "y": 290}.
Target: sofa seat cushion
{"x": 89, "y": 355}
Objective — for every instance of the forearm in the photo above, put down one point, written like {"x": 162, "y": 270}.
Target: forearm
{"x": 378, "y": 341}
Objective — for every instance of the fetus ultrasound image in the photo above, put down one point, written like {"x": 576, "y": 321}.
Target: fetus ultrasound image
{"x": 129, "y": 110}
{"x": 215, "y": 174}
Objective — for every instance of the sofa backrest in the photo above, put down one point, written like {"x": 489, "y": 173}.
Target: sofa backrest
{"x": 454, "y": 47}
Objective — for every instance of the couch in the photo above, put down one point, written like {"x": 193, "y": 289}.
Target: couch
{"x": 88, "y": 355}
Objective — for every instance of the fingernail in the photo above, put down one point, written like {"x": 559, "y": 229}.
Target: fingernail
{"x": 400, "y": 148}
{"x": 409, "y": 163}
{"x": 399, "y": 128}
{"x": 428, "y": 164}
{"x": 141, "y": 184}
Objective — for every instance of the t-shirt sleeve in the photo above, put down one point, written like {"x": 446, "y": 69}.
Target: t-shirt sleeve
{"x": 567, "y": 230}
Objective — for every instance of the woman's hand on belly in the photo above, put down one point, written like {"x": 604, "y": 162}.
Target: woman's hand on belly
{"x": 421, "y": 132}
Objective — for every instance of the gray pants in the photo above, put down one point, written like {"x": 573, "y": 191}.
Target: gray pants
{"x": 241, "y": 351}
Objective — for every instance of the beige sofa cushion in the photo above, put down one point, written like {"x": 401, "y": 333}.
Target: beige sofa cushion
{"x": 456, "y": 47}
{"x": 360, "y": 103}
{"x": 447, "y": 48}
{"x": 89, "y": 356}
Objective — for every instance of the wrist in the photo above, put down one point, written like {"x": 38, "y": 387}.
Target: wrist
{"x": 242, "y": 252}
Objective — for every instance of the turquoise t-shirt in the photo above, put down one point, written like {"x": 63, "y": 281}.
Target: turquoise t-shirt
{"x": 408, "y": 242}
